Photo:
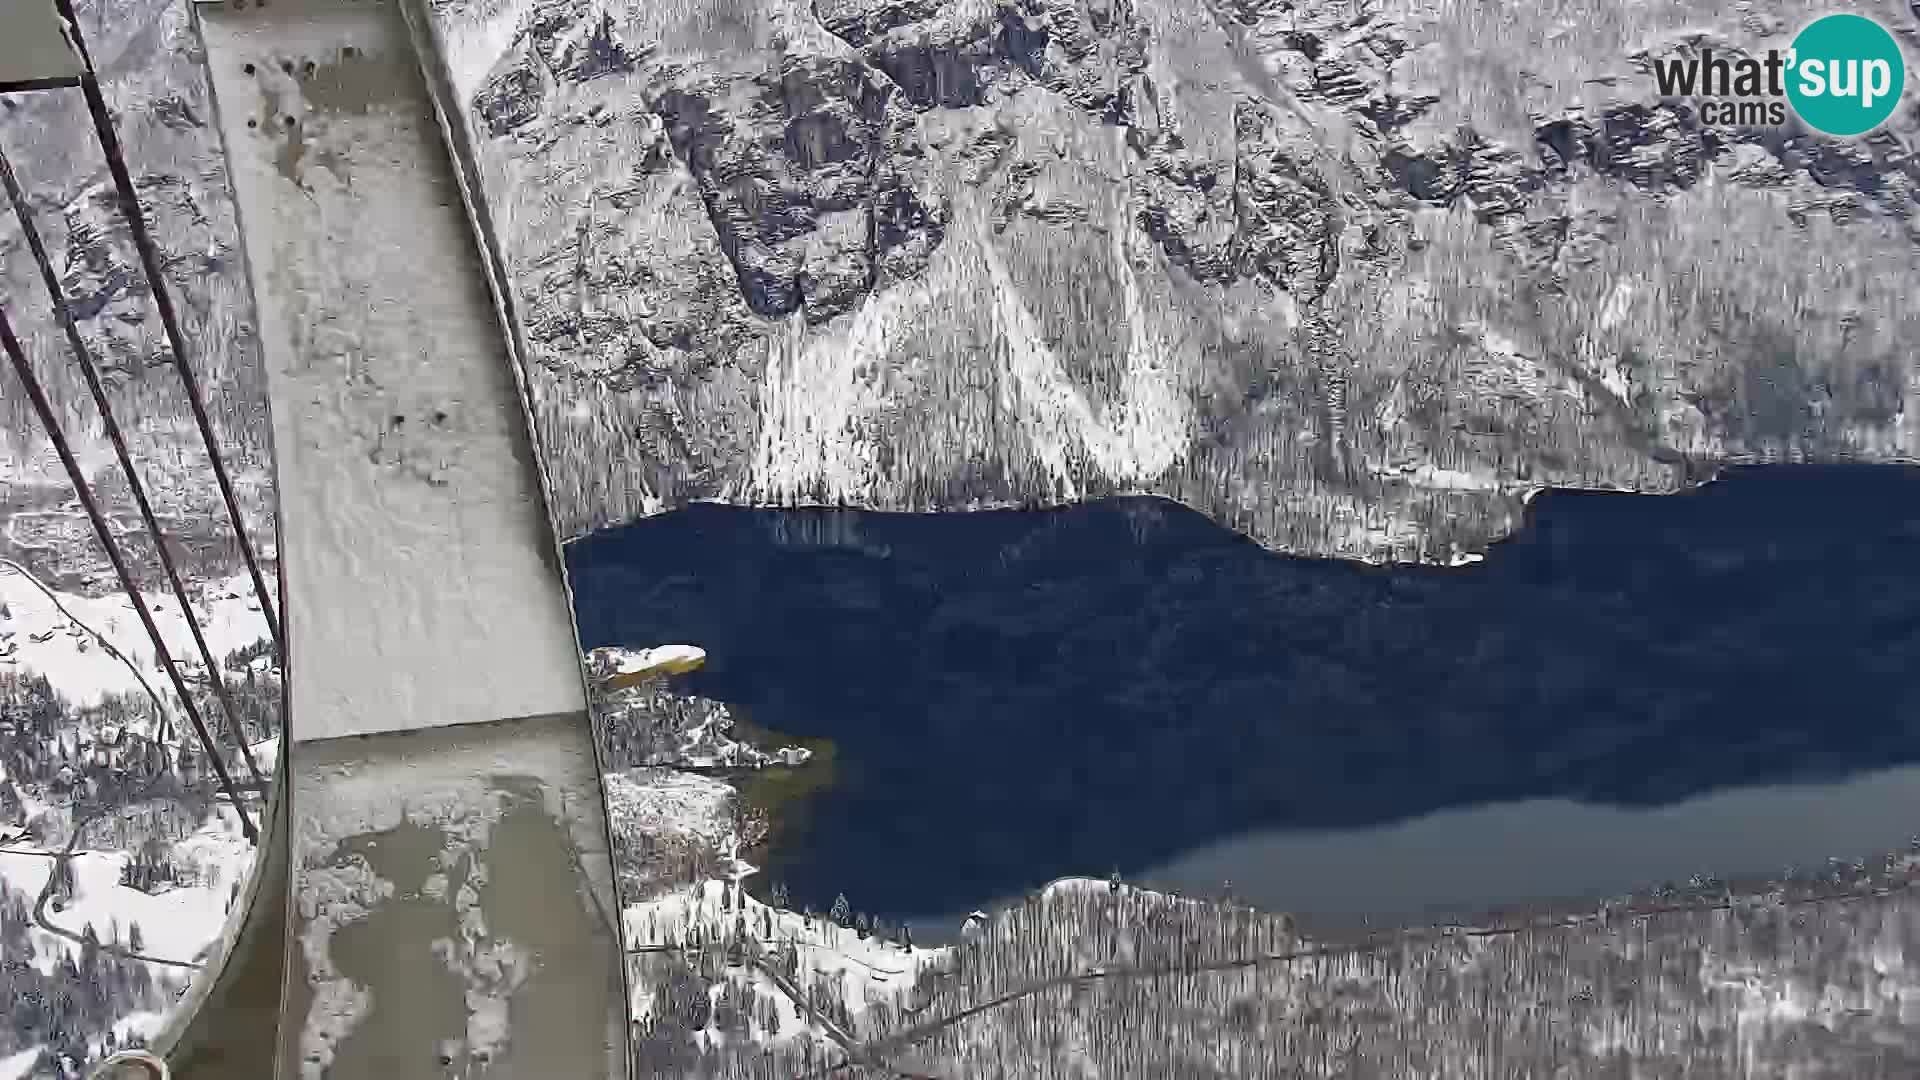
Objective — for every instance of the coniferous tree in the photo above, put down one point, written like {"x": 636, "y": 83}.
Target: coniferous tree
{"x": 841, "y": 910}
{"x": 63, "y": 884}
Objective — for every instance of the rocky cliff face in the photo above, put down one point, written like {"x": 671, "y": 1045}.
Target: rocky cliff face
{"x": 1354, "y": 278}
{"x": 148, "y": 59}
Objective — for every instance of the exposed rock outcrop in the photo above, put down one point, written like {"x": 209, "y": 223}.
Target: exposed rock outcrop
{"x": 1355, "y": 281}
{"x": 151, "y": 72}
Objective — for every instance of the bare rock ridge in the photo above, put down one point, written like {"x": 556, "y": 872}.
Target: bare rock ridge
{"x": 840, "y": 221}
{"x": 1355, "y": 280}
{"x": 150, "y": 69}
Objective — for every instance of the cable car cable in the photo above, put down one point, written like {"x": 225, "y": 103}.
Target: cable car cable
{"x": 31, "y": 383}
{"x": 83, "y": 356}
{"x": 163, "y": 301}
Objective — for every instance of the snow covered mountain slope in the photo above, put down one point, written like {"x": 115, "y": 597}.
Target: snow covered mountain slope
{"x": 121, "y": 856}
{"x": 1088, "y": 979}
{"x": 122, "y": 861}
{"x": 714, "y": 970}
{"x": 147, "y": 56}
{"x": 1353, "y": 279}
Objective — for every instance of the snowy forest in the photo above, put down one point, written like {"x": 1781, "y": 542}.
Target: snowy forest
{"x": 108, "y": 779}
{"x": 1095, "y": 978}
{"x": 69, "y": 1005}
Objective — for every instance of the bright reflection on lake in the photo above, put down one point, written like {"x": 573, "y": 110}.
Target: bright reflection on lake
{"x": 1545, "y": 851}
{"x": 1015, "y": 696}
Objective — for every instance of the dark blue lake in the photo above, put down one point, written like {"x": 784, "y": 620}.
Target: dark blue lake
{"x": 1632, "y": 689}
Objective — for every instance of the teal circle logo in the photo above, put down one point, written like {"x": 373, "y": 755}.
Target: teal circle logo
{"x": 1845, "y": 74}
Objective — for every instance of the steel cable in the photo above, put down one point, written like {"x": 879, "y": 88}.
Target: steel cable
{"x": 163, "y": 301}
{"x": 83, "y": 356}
{"x": 30, "y": 382}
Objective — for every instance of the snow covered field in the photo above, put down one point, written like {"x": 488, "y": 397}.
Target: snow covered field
{"x": 150, "y": 878}
{"x": 709, "y": 965}
{"x": 15, "y": 1066}
{"x": 667, "y": 803}
{"x": 176, "y": 924}
{"x": 785, "y": 975}
{"x": 90, "y": 647}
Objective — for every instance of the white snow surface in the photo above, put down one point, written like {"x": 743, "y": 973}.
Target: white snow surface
{"x": 420, "y": 575}
{"x": 62, "y": 635}
{"x": 869, "y": 970}
{"x": 180, "y": 924}
{"x": 70, "y": 655}
{"x": 475, "y": 45}
{"x": 450, "y": 791}
{"x": 15, "y": 1066}
{"x": 665, "y": 659}
{"x": 266, "y": 752}
{"x": 667, "y": 803}
{"x": 143, "y": 1024}
{"x": 1068, "y": 886}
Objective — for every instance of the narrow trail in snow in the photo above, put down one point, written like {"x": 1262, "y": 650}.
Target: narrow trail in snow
{"x": 870, "y": 1053}
{"x": 64, "y": 858}
{"x": 165, "y": 734}
{"x": 840, "y": 1035}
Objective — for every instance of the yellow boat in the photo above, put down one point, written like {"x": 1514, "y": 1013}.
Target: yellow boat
{"x": 661, "y": 660}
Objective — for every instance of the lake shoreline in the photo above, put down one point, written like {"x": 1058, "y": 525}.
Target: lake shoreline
{"x": 1125, "y": 684}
